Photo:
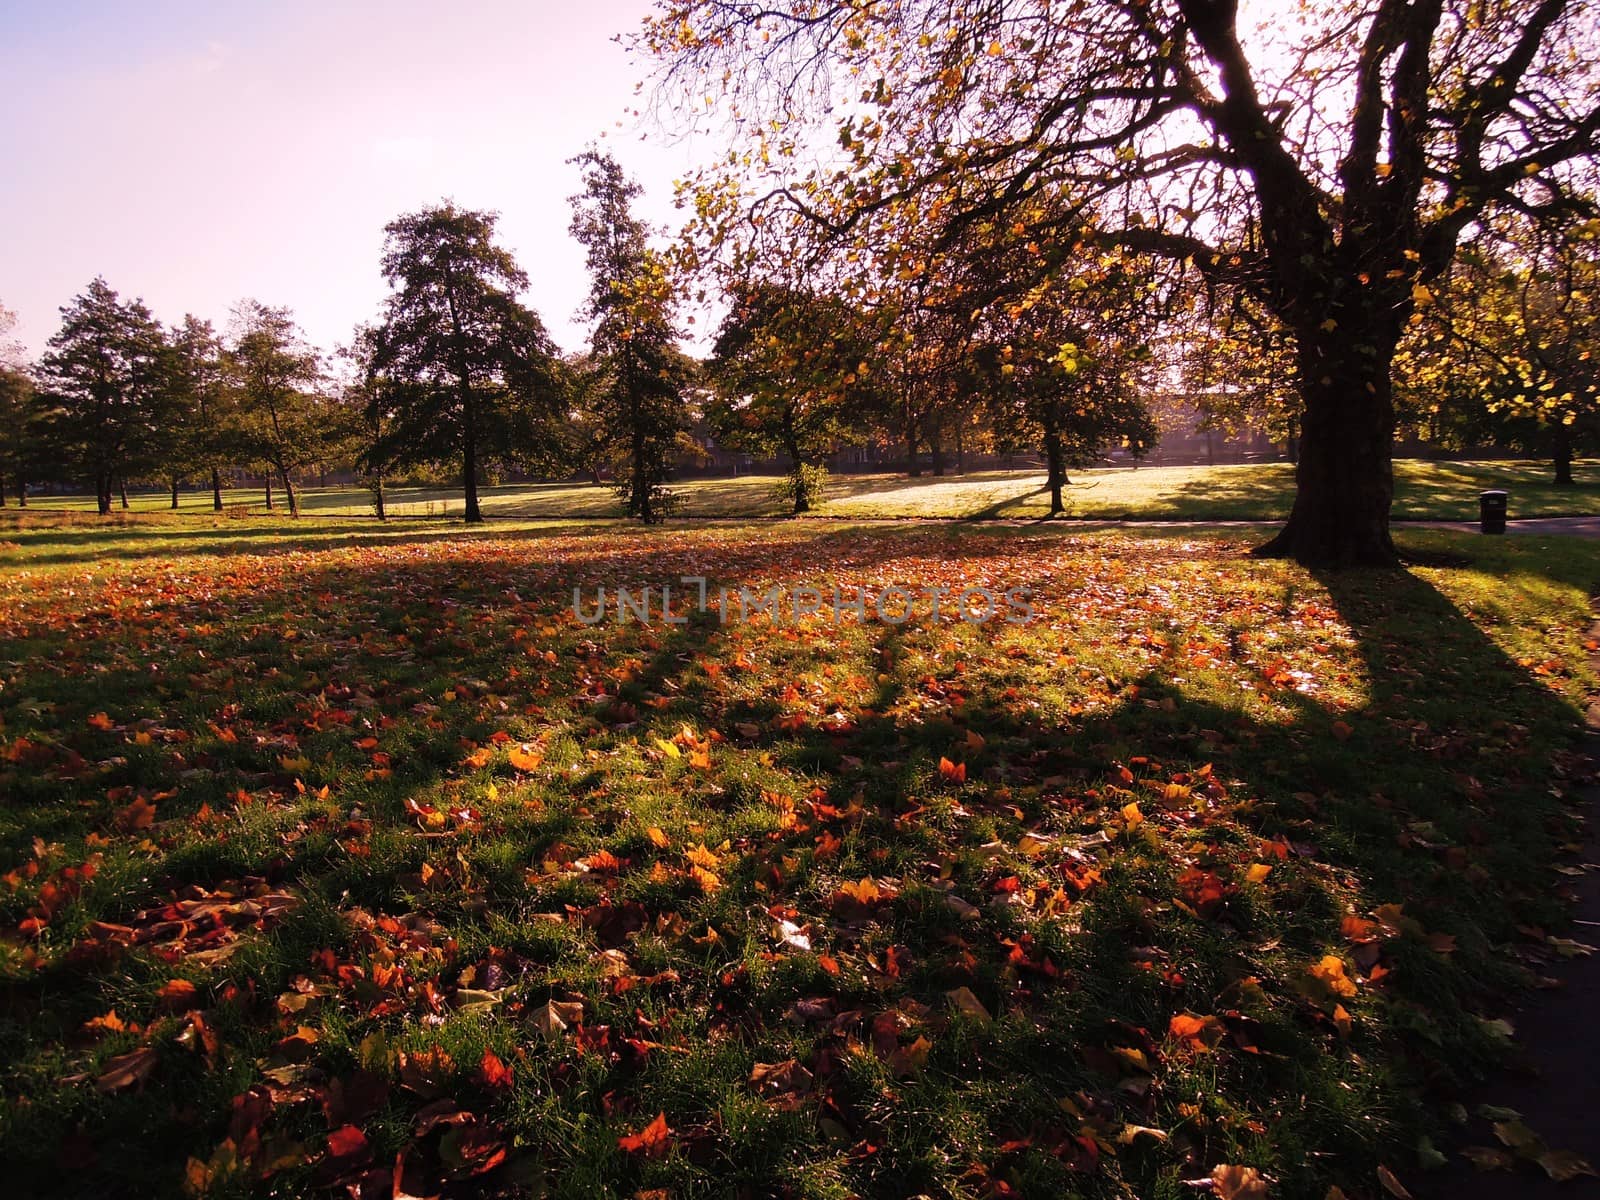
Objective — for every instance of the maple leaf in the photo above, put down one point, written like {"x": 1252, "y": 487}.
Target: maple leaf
{"x": 141, "y": 814}
{"x": 1327, "y": 980}
{"x": 1236, "y": 1183}
{"x": 653, "y": 1141}
{"x": 125, "y": 1070}
{"x": 784, "y": 1082}
{"x": 177, "y": 994}
{"x": 348, "y": 1151}
{"x": 964, "y": 1000}
{"x": 953, "y": 771}
{"x": 552, "y": 1017}
{"x": 707, "y": 881}
{"x": 700, "y": 856}
{"x": 601, "y": 862}
{"x": 492, "y": 1073}
{"x": 526, "y": 759}
{"x": 1196, "y": 1033}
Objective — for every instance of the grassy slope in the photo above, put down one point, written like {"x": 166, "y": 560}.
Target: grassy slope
{"x": 1179, "y": 783}
{"x": 1431, "y": 491}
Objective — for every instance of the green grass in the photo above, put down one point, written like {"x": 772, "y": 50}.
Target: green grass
{"x": 437, "y": 803}
{"x": 1423, "y": 491}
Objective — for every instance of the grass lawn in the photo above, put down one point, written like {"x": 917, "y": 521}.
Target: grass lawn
{"x": 1423, "y": 491}
{"x": 347, "y": 855}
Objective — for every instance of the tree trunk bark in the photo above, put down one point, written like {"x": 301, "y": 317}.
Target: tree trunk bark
{"x": 936, "y": 450}
{"x": 122, "y": 490}
{"x": 174, "y": 493}
{"x": 1056, "y": 470}
{"x": 1344, "y": 478}
{"x": 22, "y": 491}
{"x": 791, "y": 446}
{"x": 216, "y": 490}
{"x": 469, "y": 473}
{"x": 288, "y": 492}
{"x": 2, "y": 492}
{"x": 102, "y": 493}
{"x": 913, "y": 468}
{"x": 268, "y": 477}
{"x": 1563, "y": 455}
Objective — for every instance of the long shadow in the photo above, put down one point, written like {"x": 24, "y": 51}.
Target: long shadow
{"x": 1453, "y": 786}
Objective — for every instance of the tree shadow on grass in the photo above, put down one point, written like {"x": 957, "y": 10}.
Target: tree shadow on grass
{"x": 1458, "y": 784}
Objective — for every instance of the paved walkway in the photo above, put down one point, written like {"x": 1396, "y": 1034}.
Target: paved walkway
{"x": 1588, "y": 527}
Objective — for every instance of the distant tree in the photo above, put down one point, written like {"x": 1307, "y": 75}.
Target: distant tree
{"x": 19, "y": 433}
{"x": 203, "y": 417}
{"x": 791, "y": 375}
{"x": 18, "y": 413}
{"x": 459, "y": 369}
{"x": 109, "y": 400}
{"x": 588, "y": 441}
{"x": 1236, "y": 364}
{"x": 1069, "y": 370}
{"x": 641, "y": 373}
{"x": 275, "y": 379}
{"x": 1509, "y": 351}
{"x": 11, "y": 351}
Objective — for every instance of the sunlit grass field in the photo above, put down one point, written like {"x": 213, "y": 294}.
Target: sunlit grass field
{"x": 1423, "y": 491}
{"x": 338, "y": 853}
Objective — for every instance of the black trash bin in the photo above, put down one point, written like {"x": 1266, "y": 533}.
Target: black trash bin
{"x": 1492, "y": 511}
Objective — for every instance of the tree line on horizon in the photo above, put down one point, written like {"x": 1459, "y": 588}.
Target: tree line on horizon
{"x": 457, "y": 378}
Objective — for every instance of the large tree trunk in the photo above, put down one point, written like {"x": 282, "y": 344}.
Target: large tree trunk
{"x": 1056, "y": 469}
{"x": 268, "y": 477}
{"x": 469, "y": 475}
{"x": 174, "y": 493}
{"x": 102, "y": 493}
{"x": 216, "y": 490}
{"x": 1563, "y": 455}
{"x": 2, "y": 491}
{"x": 641, "y": 480}
{"x": 122, "y": 490}
{"x": 936, "y": 449}
{"x": 22, "y": 491}
{"x": 288, "y": 491}
{"x": 913, "y": 467}
{"x": 1344, "y": 479}
{"x": 791, "y": 446}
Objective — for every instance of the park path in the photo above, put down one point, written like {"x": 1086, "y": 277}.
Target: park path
{"x": 1587, "y": 527}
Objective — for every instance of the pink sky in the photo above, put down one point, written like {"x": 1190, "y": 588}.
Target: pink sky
{"x": 196, "y": 153}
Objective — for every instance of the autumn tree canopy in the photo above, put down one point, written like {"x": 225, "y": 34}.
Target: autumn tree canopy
{"x": 1325, "y": 160}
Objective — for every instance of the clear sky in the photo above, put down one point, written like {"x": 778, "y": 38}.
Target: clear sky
{"x": 195, "y": 152}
